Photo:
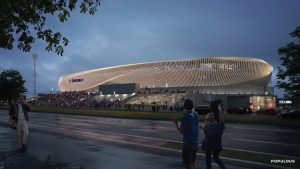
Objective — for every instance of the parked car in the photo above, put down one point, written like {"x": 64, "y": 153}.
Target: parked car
{"x": 293, "y": 114}
{"x": 267, "y": 112}
{"x": 202, "y": 109}
{"x": 236, "y": 110}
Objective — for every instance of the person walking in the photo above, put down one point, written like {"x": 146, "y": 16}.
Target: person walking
{"x": 217, "y": 108}
{"x": 19, "y": 112}
{"x": 212, "y": 143}
{"x": 189, "y": 128}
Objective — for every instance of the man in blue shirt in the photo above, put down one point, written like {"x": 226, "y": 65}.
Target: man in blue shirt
{"x": 189, "y": 128}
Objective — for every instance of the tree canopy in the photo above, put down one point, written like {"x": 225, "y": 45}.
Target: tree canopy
{"x": 25, "y": 20}
{"x": 288, "y": 75}
{"x": 11, "y": 85}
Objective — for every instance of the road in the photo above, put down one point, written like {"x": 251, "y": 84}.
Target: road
{"x": 61, "y": 152}
{"x": 54, "y": 151}
{"x": 259, "y": 138}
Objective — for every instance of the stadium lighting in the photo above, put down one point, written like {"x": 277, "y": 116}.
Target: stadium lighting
{"x": 34, "y": 57}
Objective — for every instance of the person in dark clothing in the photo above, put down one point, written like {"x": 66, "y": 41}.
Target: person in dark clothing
{"x": 212, "y": 143}
{"x": 19, "y": 112}
{"x": 215, "y": 107}
{"x": 189, "y": 128}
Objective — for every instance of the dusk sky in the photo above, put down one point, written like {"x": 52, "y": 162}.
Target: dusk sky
{"x": 134, "y": 31}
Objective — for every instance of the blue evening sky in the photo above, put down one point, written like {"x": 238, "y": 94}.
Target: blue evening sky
{"x": 134, "y": 31}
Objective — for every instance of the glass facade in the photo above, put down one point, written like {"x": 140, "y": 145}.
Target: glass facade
{"x": 261, "y": 102}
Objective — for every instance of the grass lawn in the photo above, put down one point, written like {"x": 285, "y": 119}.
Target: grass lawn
{"x": 242, "y": 155}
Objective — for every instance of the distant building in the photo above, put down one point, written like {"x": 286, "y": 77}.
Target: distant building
{"x": 238, "y": 81}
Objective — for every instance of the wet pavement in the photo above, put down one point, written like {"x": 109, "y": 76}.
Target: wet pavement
{"x": 250, "y": 137}
{"x": 48, "y": 151}
{"x": 120, "y": 143}
{"x": 53, "y": 151}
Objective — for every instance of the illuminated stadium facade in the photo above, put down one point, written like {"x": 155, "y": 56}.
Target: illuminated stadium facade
{"x": 207, "y": 76}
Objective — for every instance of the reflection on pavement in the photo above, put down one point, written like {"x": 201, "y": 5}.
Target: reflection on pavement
{"x": 48, "y": 164}
{"x": 54, "y": 165}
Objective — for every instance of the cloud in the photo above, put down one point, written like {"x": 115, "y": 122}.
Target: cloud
{"x": 124, "y": 32}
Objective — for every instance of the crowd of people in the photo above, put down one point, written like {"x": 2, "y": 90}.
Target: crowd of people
{"x": 70, "y": 99}
{"x": 64, "y": 99}
{"x": 160, "y": 91}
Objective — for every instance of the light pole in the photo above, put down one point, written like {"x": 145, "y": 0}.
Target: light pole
{"x": 34, "y": 57}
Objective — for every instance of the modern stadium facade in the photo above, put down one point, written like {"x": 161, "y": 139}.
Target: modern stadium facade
{"x": 236, "y": 80}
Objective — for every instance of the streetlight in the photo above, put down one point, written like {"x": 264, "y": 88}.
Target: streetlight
{"x": 34, "y": 57}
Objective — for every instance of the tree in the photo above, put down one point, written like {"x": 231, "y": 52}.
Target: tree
{"x": 11, "y": 85}
{"x": 288, "y": 75}
{"x": 24, "y": 18}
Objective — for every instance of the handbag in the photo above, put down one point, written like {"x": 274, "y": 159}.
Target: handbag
{"x": 203, "y": 145}
{"x": 12, "y": 123}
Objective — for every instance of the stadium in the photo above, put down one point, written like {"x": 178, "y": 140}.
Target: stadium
{"x": 237, "y": 81}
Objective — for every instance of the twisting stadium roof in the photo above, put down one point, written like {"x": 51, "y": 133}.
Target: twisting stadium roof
{"x": 200, "y": 72}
